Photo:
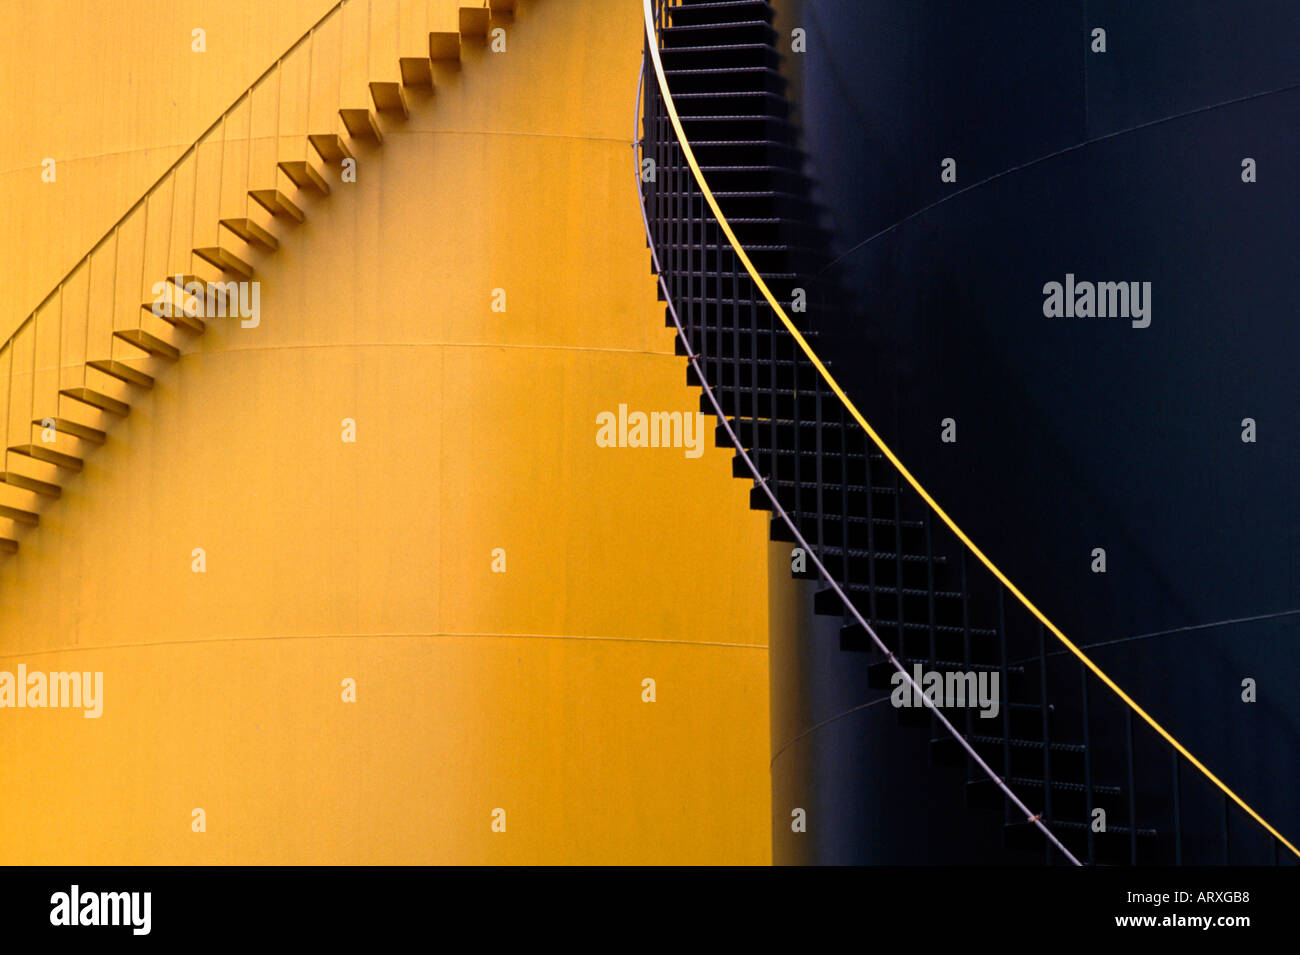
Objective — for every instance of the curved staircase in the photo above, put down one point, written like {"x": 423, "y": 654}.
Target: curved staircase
{"x": 1064, "y": 745}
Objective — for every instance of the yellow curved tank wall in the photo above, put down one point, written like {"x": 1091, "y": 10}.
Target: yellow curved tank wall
{"x": 327, "y": 560}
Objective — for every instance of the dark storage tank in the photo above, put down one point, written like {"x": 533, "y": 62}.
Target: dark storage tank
{"x": 966, "y": 154}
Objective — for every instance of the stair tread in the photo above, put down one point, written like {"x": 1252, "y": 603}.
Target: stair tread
{"x": 19, "y": 515}
{"x": 1085, "y": 826}
{"x": 43, "y": 488}
{"x": 910, "y": 591}
{"x": 305, "y": 176}
{"x": 727, "y": 94}
{"x": 714, "y": 47}
{"x": 277, "y": 203}
{"x": 152, "y": 344}
{"x": 892, "y": 625}
{"x": 835, "y": 485}
{"x": 389, "y": 97}
{"x": 742, "y": 330}
{"x": 251, "y": 232}
{"x": 695, "y": 27}
{"x": 474, "y": 21}
{"x": 331, "y": 147}
{"x": 417, "y": 71}
{"x": 196, "y": 280}
{"x": 722, "y": 71}
{"x": 122, "y": 372}
{"x": 178, "y": 317}
{"x": 1014, "y": 742}
{"x": 40, "y": 453}
{"x": 362, "y": 124}
{"x": 444, "y": 45}
{"x": 1063, "y": 785}
{"x": 735, "y": 117}
{"x": 98, "y": 400}
{"x": 828, "y": 550}
{"x": 222, "y": 258}
{"x": 74, "y": 428}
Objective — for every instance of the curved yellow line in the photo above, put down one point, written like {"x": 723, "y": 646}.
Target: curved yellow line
{"x": 888, "y": 452}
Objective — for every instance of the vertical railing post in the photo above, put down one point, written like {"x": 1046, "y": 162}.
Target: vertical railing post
{"x": 1178, "y": 809}
{"x": 31, "y": 384}
{"x": 1132, "y": 791}
{"x": 1227, "y": 821}
{"x": 873, "y": 610}
{"x": 820, "y": 450}
{"x": 929, "y": 584}
{"x": 58, "y": 351}
{"x": 1087, "y": 765}
{"x": 898, "y": 561}
{"x": 144, "y": 264}
{"x": 1047, "y": 729}
{"x": 845, "y": 481}
{"x": 9, "y": 402}
{"x": 112, "y": 305}
{"x": 965, "y": 648}
{"x": 1006, "y": 698}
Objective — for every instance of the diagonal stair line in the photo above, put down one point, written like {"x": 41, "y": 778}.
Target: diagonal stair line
{"x": 653, "y": 52}
{"x": 1031, "y": 817}
{"x": 189, "y": 298}
{"x": 175, "y": 165}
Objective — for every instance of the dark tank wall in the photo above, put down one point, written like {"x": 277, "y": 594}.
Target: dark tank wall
{"x": 1075, "y": 433}
{"x": 869, "y": 791}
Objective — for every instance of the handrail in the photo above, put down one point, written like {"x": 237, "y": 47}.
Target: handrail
{"x": 171, "y": 169}
{"x": 1031, "y": 817}
{"x": 761, "y": 285}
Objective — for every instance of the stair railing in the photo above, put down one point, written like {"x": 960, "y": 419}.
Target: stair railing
{"x": 193, "y": 229}
{"x": 708, "y": 279}
{"x": 151, "y": 242}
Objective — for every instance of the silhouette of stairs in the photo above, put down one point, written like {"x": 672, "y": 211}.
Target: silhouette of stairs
{"x": 112, "y": 367}
{"x": 872, "y": 532}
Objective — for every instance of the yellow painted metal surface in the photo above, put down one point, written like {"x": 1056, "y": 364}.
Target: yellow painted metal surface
{"x": 373, "y": 561}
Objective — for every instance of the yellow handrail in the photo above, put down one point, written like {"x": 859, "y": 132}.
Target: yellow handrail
{"x": 653, "y": 46}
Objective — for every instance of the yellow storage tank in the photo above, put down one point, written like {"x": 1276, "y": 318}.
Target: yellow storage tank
{"x": 362, "y": 583}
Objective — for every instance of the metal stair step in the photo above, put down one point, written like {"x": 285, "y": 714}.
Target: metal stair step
{"x": 362, "y": 124}
{"x": 277, "y": 203}
{"x": 122, "y": 372}
{"x": 305, "y": 176}
{"x": 152, "y": 344}
{"x": 225, "y": 260}
{"x": 43, "y": 488}
{"x": 74, "y": 428}
{"x": 331, "y": 147}
{"x": 97, "y": 399}
{"x": 252, "y": 233}
{"x": 20, "y": 516}
{"x": 389, "y": 98}
{"x": 39, "y": 452}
